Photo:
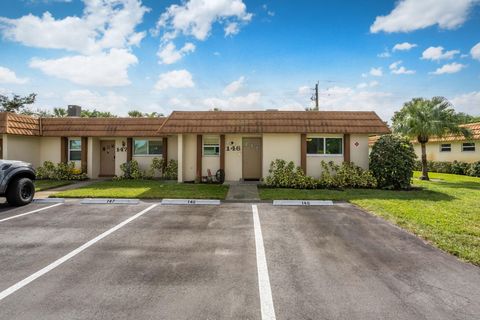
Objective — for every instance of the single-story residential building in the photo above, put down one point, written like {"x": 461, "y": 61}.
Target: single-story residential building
{"x": 242, "y": 143}
{"x": 449, "y": 148}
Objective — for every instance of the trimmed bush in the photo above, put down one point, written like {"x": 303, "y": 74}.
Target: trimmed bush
{"x": 459, "y": 167}
{"x": 474, "y": 169}
{"x": 392, "y": 162}
{"x": 285, "y": 175}
{"x": 171, "y": 170}
{"x": 347, "y": 175}
{"x": 60, "y": 171}
{"x": 131, "y": 170}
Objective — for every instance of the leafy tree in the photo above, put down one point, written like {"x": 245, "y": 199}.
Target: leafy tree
{"x": 139, "y": 114}
{"x": 466, "y": 118}
{"x": 59, "y": 112}
{"x": 135, "y": 114}
{"x": 422, "y": 118}
{"x": 97, "y": 114}
{"x": 17, "y": 103}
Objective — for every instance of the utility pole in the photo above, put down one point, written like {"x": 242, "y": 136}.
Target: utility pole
{"x": 315, "y": 96}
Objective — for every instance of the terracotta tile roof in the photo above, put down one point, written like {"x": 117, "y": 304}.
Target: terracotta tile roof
{"x": 372, "y": 140}
{"x": 474, "y": 127}
{"x": 273, "y": 122}
{"x": 12, "y": 123}
{"x": 101, "y": 127}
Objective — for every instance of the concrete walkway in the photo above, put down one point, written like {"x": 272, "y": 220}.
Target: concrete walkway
{"x": 243, "y": 191}
{"x": 75, "y": 185}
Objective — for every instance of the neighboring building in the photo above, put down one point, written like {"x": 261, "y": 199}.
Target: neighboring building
{"x": 242, "y": 143}
{"x": 449, "y": 148}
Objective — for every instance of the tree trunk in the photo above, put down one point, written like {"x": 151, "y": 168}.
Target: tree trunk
{"x": 424, "y": 163}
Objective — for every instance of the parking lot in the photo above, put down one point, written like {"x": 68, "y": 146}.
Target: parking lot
{"x": 228, "y": 261}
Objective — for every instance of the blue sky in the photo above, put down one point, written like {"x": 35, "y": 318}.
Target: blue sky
{"x": 118, "y": 55}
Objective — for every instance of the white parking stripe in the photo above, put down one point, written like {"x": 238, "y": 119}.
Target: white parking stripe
{"x": 5, "y": 293}
{"x": 30, "y": 212}
{"x": 266, "y": 300}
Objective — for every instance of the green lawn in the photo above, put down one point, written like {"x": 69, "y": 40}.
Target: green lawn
{"x": 42, "y": 185}
{"x": 445, "y": 212}
{"x": 146, "y": 189}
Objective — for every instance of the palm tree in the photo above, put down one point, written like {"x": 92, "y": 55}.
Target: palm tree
{"x": 422, "y": 118}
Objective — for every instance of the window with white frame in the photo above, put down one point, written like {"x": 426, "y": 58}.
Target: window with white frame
{"x": 468, "y": 146}
{"x": 74, "y": 149}
{"x": 211, "y": 146}
{"x": 147, "y": 147}
{"x": 445, "y": 147}
{"x": 325, "y": 146}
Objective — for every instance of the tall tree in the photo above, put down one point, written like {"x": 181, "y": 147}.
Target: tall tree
{"x": 17, "y": 103}
{"x": 422, "y": 118}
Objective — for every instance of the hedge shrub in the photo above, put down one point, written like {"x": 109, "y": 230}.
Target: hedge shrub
{"x": 474, "y": 169}
{"x": 131, "y": 170}
{"x": 60, "y": 171}
{"x": 347, "y": 175}
{"x": 392, "y": 162}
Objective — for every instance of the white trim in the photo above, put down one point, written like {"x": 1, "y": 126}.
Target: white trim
{"x": 17, "y": 286}
{"x": 211, "y": 145}
{"x": 266, "y": 301}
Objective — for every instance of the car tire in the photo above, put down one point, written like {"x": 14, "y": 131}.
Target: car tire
{"x": 20, "y": 192}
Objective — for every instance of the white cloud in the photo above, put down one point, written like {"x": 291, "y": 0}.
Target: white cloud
{"x": 105, "y": 24}
{"x": 345, "y": 98}
{"x": 174, "y": 79}
{"x": 91, "y": 99}
{"x": 405, "y": 46}
{"x": 411, "y": 15}
{"x": 437, "y": 54}
{"x": 231, "y": 29}
{"x": 169, "y": 54}
{"x": 475, "y": 52}
{"x": 247, "y": 102}
{"x": 468, "y": 102}
{"x": 103, "y": 69}
{"x": 303, "y": 90}
{"x": 196, "y": 17}
{"x": 449, "y": 68}
{"x": 234, "y": 86}
{"x": 9, "y": 76}
{"x": 370, "y": 84}
{"x": 384, "y": 54}
{"x": 397, "y": 68}
{"x": 376, "y": 72}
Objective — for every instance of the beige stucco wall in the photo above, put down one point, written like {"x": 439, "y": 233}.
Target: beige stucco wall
{"x": 434, "y": 153}
{"x": 25, "y": 148}
{"x": 189, "y": 157}
{"x": 280, "y": 146}
{"x": 359, "y": 152}
{"x": 50, "y": 149}
{"x": 172, "y": 147}
{"x": 233, "y": 159}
